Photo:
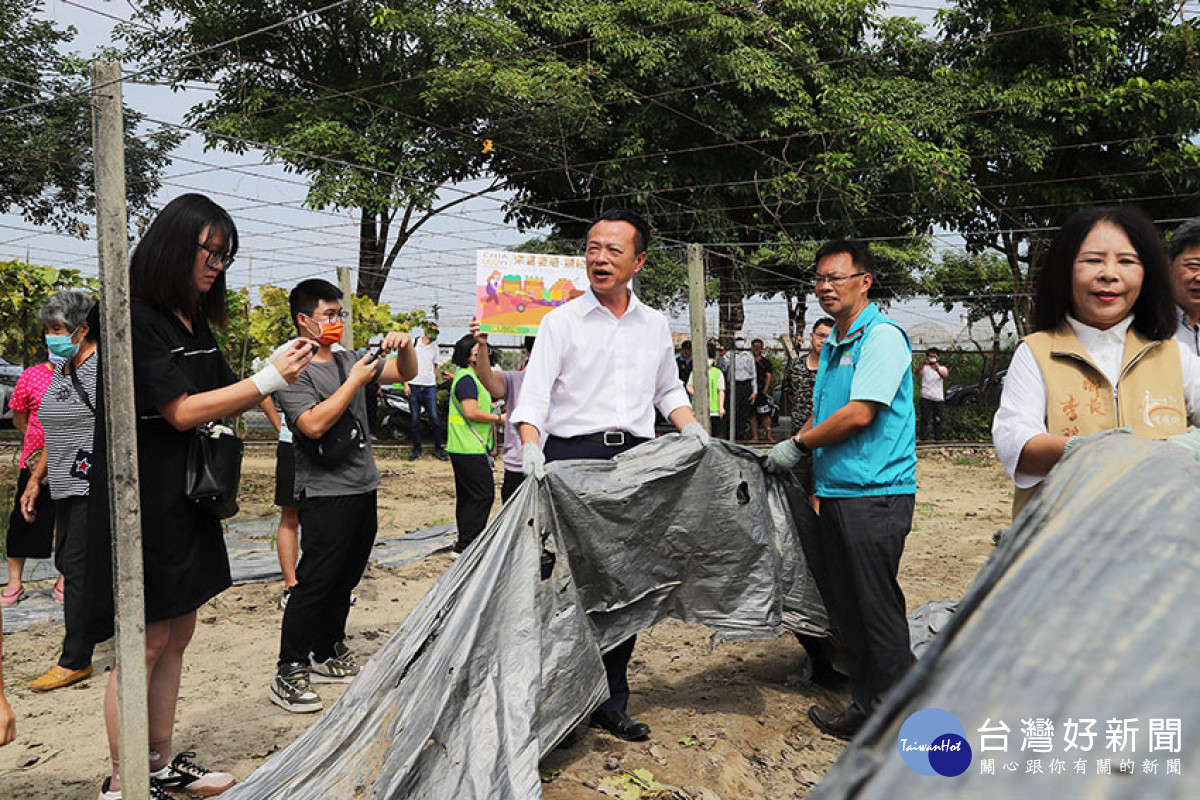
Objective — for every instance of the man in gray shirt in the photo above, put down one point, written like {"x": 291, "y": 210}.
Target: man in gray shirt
{"x": 335, "y": 489}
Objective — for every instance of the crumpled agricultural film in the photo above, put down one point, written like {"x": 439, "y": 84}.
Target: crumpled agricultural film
{"x": 1086, "y": 610}
{"x": 497, "y": 663}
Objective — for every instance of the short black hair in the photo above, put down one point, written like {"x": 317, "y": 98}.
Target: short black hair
{"x": 757, "y": 341}
{"x": 712, "y": 349}
{"x": 305, "y": 297}
{"x": 828, "y": 322}
{"x": 462, "y": 351}
{"x": 162, "y": 269}
{"x": 529, "y": 340}
{"x": 1185, "y": 237}
{"x": 859, "y": 252}
{"x": 641, "y": 228}
{"x": 1154, "y": 309}
{"x": 934, "y": 350}
{"x": 686, "y": 344}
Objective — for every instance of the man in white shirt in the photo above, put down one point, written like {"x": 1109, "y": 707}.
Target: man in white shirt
{"x": 422, "y": 392}
{"x": 603, "y": 362}
{"x": 933, "y": 393}
{"x": 1184, "y": 250}
{"x": 738, "y": 365}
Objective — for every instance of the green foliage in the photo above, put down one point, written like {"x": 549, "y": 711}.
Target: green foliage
{"x": 268, "y": 324}
{"x": 24, "y": 288}
{"x": 46, "y": 134}
{"x": 982, "y": 282}
{"x": 967, "y": 423}
{"x": 352, "y": 99}
{"x": 1064, "y": 104}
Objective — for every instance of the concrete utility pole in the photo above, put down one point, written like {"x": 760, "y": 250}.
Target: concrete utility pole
{"x": 347, "y": 288}
{"x": 124, "y": 494}
{"x": 696, "y": 303}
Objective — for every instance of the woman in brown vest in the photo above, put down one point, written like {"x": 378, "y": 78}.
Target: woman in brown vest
{"x": 1102, "y": 355}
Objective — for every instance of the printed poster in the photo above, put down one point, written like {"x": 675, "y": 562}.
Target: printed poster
{"x": 513, "y": 291}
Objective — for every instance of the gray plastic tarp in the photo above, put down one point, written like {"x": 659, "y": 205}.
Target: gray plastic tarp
{"x": 1088, "y": 609}
{"x": 497, "y": 663}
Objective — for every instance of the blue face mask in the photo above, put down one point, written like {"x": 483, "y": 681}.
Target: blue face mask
{"x": 60, "y": 344}
{"x": 56, "y": 360}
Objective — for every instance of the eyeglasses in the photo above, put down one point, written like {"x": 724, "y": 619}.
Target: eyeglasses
{"x": 834, "y": 280}
{"x": 343, "y": 315}
{"x": 216, "y": 258}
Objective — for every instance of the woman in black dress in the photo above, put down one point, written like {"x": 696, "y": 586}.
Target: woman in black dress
{"x": 181, "y": 381}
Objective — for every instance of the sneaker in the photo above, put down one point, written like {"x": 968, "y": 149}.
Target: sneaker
{"x": 441, "y": 455}
{"x": 292, "y": 691}
{"x": 339, "y": 668}
{"x": 156, "y": 791}
{"x": 415, "y": 455}
{"x": 184, "y": 775}
{"x": 353, "y": 599}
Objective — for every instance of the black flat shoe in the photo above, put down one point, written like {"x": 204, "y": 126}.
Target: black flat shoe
{"x": 843, "y": 725}
{"x": 621, "y": 725}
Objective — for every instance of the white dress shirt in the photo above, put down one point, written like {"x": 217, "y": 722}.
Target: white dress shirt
{"x": 1022, "y": 412}
{"x": 592, "y": 372}
{"x": 426, "y": 364}
{"x": 1188, "y": 334}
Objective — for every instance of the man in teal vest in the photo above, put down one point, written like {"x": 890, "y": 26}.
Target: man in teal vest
{"x": 863, "y": 438}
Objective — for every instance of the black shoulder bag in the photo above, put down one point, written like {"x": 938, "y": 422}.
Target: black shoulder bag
{"x": 213, "y": 471}
{"x": 341, "y": 441}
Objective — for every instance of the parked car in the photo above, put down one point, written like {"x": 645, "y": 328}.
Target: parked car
{"x": 986, "y": 393}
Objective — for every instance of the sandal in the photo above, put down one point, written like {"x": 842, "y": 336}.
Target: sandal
{"x": 60, "y": 595}
{"x": 12, "y": 596}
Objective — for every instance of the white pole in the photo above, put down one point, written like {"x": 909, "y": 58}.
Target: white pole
{"x": 124, "y": 495}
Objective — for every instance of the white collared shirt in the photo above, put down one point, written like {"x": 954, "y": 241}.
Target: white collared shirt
{"x": 1022, "y": 412}
{"x": 1188, "y": 334}
{"x": 592, "y": 372}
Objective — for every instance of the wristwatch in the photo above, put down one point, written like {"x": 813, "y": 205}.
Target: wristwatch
{"x": 799, "y": 440}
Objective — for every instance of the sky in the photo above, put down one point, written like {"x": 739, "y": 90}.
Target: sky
{"x": 282, "y": 241}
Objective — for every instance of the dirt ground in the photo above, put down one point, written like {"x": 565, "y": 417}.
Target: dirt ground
{"x": 726, "y": 724}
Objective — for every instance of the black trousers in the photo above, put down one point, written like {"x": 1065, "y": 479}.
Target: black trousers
{"x": 742, "y": 391}
{"x": 339, "y": 533}
{"x": 931, "y": 410}
{"x": 474, "y": 493}
{"x": 30, "y": 539}
{"x": 857, "y": 557}
{"x": 70, "y": 558}
{"x": 616, "y": 660}
{"x": 512, "y": 482}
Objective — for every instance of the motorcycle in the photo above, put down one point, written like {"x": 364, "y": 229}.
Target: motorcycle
{"x": 396, "y": 420}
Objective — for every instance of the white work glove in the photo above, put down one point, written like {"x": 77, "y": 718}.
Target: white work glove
{"x": 1190, "y": 440}
{"x": 783, "y": 456}
{"x": 533, "y": 460}
{"x": 697, "y": 432}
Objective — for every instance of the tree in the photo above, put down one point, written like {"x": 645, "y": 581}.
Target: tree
{"x": 24, "y": 289}
{"x": 758, "y": 129}
{"x": 46, "y": 128}
{"x": 982, "y": 282}
{"x": 347, "y": 98}
{"x": 1065, "y": 104}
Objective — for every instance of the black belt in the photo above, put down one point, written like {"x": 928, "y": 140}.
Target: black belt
{"x": 608, "y": 438}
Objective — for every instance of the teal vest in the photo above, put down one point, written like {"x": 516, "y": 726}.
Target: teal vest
{"x": 459, "y": 436}
{"x": 882, "y": 459}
